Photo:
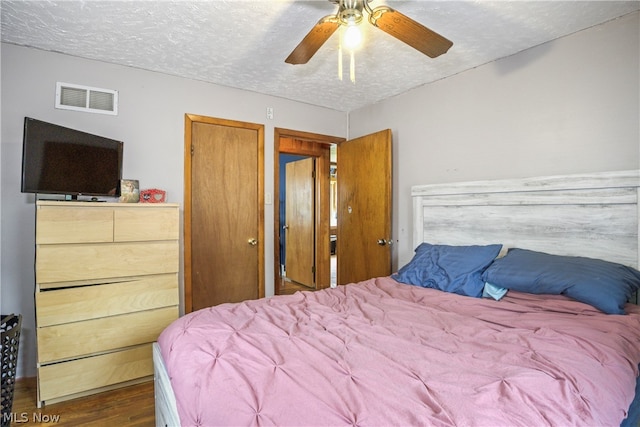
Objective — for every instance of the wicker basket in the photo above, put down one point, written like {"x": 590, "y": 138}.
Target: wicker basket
{"x": 11, "y": 325}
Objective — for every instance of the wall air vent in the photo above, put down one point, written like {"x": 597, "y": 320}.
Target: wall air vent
{"x": 84, "y": 98}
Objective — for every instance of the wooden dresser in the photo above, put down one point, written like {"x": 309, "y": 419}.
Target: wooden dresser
{"x": 106, "y": 286}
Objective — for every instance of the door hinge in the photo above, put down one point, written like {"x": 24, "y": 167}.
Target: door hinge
{"x": 313, "y": 269}
{"x": 193, "y": 149}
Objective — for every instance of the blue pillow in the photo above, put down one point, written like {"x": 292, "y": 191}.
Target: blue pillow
{"x": 605, "y": 285}
{"x": 456, "y": 269}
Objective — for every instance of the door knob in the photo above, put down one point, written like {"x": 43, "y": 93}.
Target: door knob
{"x": 253, "y": 242}
{"x": 383, "y": 242}
{"x": 285, "y": 227}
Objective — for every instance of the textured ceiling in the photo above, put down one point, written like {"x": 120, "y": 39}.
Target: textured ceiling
{"x": 243, "y": 44}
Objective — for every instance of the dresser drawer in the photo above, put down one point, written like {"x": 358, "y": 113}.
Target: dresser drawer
{"x": 58, "y": 306}
{"x": 73, "y": 340}
{"x": 135, "y": 224}
{"x": 58, "y": 224}
{"x": 62, "y": 263}
{"x": 76, "y": 376}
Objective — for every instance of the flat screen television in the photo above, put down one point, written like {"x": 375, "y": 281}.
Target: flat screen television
{"x": 60, "y": 160}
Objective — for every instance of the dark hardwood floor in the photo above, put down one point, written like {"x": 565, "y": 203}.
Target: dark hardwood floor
{"x": 128, "y": 406}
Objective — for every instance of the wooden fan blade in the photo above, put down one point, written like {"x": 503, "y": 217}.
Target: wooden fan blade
{"x": 409, "y": 31}
{"x": 312, "y": 41}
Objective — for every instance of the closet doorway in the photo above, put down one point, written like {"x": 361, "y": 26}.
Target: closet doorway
{"x": 302, "y": 252}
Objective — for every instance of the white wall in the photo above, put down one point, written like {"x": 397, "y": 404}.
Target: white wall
{"x": 151, "y": 124}
{"x": 568, "y": 106}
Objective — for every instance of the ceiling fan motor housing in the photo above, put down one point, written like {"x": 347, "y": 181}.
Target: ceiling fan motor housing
{"x": 350, "y": 11}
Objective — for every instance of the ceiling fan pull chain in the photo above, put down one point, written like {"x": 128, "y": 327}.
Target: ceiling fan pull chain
{"x": 352, "y": 68}
{"x": 340, "y": 58}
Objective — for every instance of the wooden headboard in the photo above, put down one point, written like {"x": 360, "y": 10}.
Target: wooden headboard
{"x": 594, "y": 215}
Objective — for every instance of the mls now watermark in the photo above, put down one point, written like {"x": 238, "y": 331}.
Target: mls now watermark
{"x": 34, "y": 417}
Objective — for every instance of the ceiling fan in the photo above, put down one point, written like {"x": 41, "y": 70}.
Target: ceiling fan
{"x": 392, "y": 22}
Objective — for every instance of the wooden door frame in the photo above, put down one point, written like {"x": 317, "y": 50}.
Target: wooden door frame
{"x": 189, "y": 119}
{"x": 317, "y": 146}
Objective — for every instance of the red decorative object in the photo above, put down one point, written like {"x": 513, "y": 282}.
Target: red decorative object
{"x": 152, "y": 195}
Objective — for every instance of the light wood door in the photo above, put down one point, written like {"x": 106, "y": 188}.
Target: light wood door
{"x": 299, "y": 221}
{"x": 364, "y": 208}
{"x": 224, "y": 214}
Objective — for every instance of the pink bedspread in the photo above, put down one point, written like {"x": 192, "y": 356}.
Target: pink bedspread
{"x": 381, "y": 353}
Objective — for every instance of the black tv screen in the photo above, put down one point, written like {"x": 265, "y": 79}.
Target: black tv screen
{"x": 60, "y": 160}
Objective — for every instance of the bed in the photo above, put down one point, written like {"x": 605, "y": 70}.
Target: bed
{"x": 513, "y": 311}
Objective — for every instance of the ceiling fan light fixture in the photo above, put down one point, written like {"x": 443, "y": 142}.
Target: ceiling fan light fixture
{"x": 352, "y": 37}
